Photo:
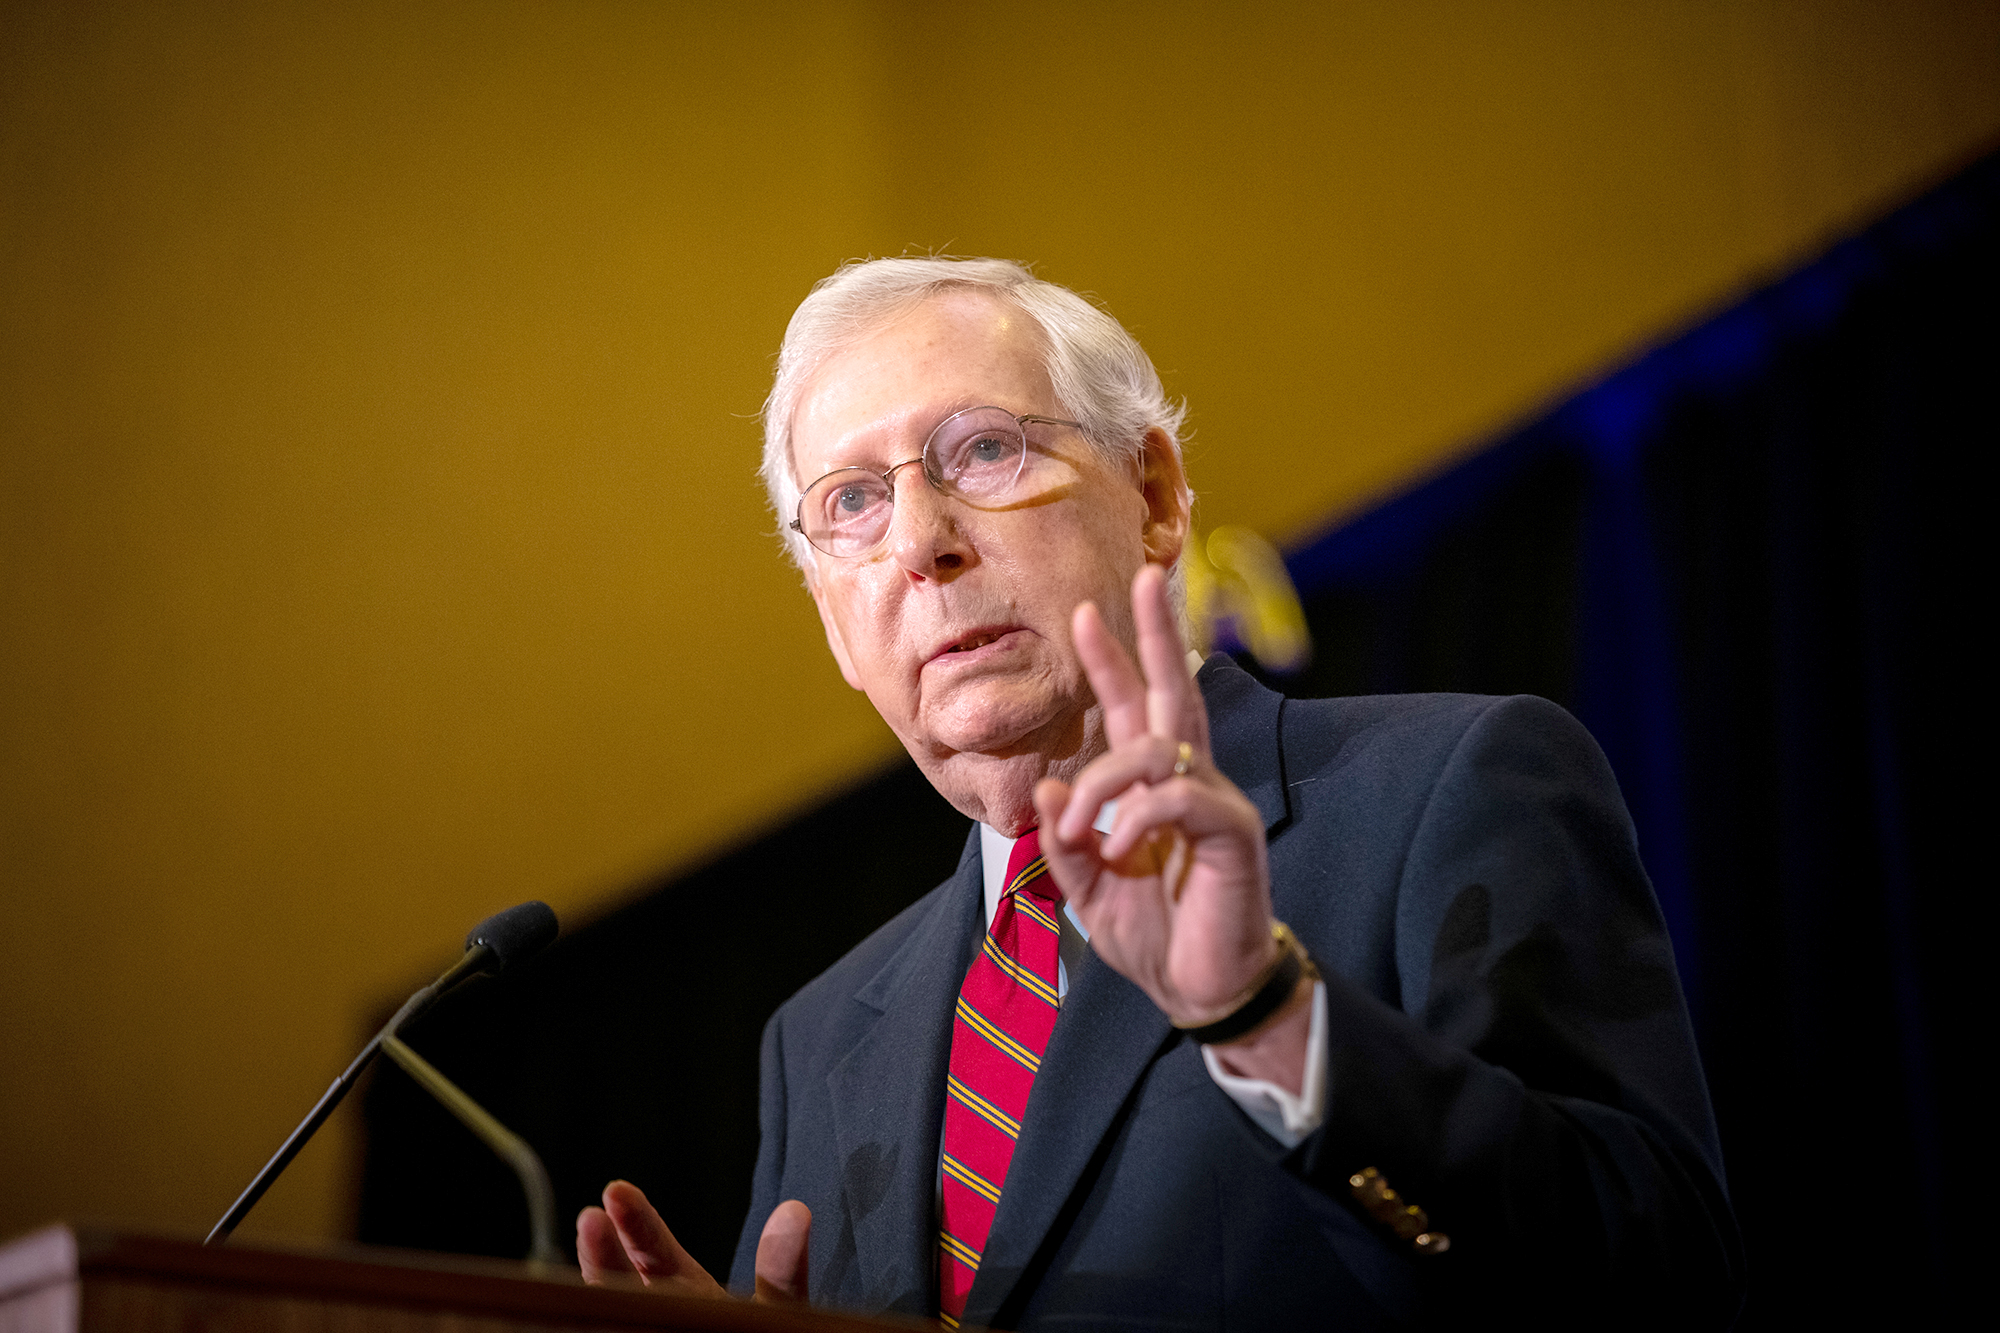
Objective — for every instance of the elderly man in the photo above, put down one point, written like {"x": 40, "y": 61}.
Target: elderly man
{"x": 1092, "y": 1077}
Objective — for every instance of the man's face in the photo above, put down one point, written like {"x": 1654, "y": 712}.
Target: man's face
{"x": 957, "y": 628}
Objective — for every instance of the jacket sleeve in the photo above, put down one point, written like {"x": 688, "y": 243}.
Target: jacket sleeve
{"x": 1531, "y": 1079}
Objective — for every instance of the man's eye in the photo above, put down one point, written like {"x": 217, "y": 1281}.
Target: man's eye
{"x": 993, "y": 454}
{"x": 850, "y": 500}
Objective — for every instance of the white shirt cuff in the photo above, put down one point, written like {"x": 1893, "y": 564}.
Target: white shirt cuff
{"x": 1286, "y": 1118}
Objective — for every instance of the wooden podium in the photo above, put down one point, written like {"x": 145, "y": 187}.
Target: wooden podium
{"x": 87, "y": 1280}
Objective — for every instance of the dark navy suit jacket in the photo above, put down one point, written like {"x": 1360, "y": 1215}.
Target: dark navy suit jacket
{"x": 1508, "y": 1046}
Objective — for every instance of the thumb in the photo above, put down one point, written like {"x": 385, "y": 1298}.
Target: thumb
{"x": 781, "y": 1254}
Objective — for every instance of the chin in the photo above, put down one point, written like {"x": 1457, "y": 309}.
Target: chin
{"x": 994, "y": 723}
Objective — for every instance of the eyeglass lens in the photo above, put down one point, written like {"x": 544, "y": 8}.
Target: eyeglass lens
{"x": 976, "y": 455}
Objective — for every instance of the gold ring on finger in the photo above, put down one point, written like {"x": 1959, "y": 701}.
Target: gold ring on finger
{"x": 1183, "y": 760}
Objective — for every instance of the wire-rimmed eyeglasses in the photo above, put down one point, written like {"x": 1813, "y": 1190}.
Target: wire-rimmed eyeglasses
{"x": 978, "y": 455}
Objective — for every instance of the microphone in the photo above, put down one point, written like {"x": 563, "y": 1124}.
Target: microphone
{"x": 513, "y": 936}
{"x": 503, "y": 939}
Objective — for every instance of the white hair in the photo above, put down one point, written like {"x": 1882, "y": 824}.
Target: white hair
{"x": 1103, "y": 379}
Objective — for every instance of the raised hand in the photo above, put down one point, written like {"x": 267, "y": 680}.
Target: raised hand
{"x": 1177, "y": 896}
{"x": 626, "y": 1240}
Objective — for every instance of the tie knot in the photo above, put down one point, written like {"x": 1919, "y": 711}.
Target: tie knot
{"x": 1028, "y": 872}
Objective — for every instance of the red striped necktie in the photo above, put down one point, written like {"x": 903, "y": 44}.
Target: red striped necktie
{"x": 1006, "y": 1011}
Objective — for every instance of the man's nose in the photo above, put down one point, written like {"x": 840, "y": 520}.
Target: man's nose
{"x": 924, "y": 533}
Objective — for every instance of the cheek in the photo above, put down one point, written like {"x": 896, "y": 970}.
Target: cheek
{"x": 884, "y": 647}
{"x": 1096, "y": 530}
{"x": 1103, "y": 556}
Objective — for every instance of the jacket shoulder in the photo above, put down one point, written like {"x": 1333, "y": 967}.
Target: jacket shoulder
{"x": 1421, "y": 733}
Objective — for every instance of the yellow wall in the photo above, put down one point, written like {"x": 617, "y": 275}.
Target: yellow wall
{"x": 379, "y": 543}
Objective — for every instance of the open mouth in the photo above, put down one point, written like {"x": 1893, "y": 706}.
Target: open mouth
{"x": 973, "y": 641}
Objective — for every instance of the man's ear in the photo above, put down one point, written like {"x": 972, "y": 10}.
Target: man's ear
{"x": 834, "y": 642}
{"x": 1164, "y": 485}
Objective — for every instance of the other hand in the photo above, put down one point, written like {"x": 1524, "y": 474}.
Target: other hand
{"x": 626, "y": 1239}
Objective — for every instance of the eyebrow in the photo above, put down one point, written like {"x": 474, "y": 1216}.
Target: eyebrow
{"x": 965, "y": 404}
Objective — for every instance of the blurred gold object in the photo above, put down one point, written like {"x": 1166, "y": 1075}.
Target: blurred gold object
{"x": 1400, "y": 1217}
{"x": 1238, "y": 594}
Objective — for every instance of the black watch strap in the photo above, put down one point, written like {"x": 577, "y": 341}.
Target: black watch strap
{"x": 1268, "y": 998}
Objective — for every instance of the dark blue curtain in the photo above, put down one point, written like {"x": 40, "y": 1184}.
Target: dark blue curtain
{"x": 1744, "y": 561}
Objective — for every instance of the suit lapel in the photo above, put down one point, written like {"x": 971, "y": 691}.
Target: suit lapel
{"x": 1109, "y": 1032}
{"x": 887, "y": 1096}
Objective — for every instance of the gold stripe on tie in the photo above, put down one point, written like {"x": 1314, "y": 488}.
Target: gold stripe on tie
{"x": 1021, "y": 974}
{"x": 1027, "y": 907}
{"x": 959, "y": 1250}
{"x": 1005, "y": 1044}
{"x": 982, "y": 1108}
{"x": 971, "y": 1179}
{"x": 1031, "y": 871}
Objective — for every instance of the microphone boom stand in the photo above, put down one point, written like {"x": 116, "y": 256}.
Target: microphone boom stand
{"x": 511, "y": 1147}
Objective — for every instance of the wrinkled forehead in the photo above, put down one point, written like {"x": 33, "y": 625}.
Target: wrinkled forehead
{"x": 875, "y": 400}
